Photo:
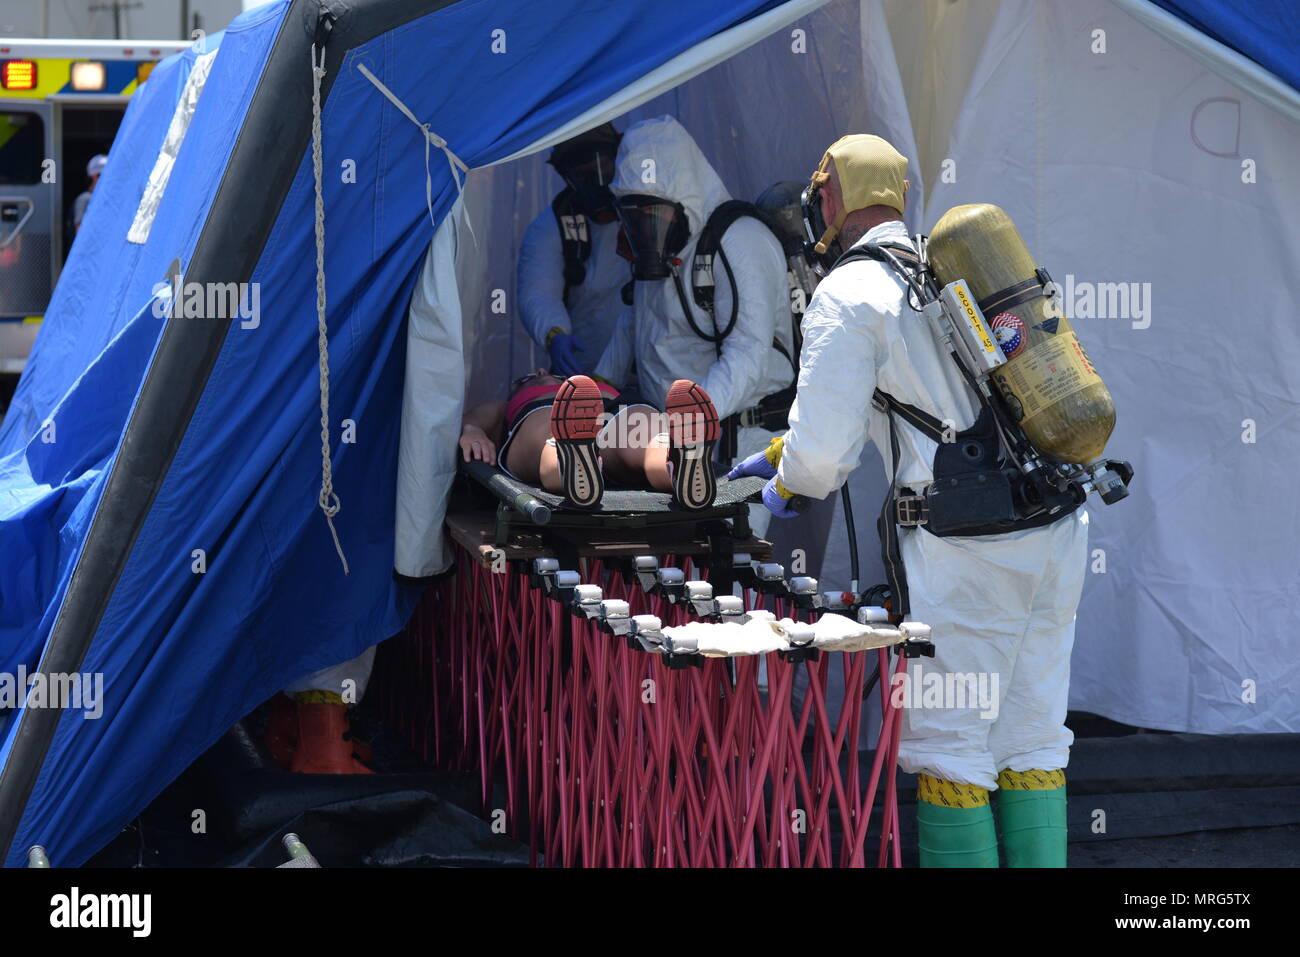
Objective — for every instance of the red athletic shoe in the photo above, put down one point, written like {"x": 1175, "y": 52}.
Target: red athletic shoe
{"x": 692, "y": 433}
{"x": 575, "y": 423}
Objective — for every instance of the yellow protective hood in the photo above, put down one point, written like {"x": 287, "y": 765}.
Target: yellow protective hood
{"x": 871, "y": 173}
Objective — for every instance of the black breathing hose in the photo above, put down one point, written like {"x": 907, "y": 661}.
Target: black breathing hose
{"x": 718, "y": 335}
{"x": 854, "y": 578}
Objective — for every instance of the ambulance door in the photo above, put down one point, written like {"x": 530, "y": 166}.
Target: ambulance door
{"x": 27, "y": 226}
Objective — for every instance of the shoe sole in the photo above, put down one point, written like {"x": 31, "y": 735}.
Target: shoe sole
{"x": 693, "y": 431}
{"x": 575, "y": 423}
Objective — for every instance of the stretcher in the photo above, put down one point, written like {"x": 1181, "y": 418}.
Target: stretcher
{"x": 623, "y": 706}
{"x": 503, "y": 519}
{"x": 521, "y": 504}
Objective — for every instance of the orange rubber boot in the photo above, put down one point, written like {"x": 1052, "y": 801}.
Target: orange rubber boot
{"x": 323, "y": 747}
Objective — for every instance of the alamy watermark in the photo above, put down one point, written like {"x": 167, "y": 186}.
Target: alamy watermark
{"x": 1077, "y": 299}
{"x": 943, "y": 690}
{"x": 79, "y": 691}
{"x": 629, "y": 430}
{"x": 177, "y": 299}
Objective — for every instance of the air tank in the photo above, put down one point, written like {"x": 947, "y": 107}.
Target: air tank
{"x": 1050, "y": 384}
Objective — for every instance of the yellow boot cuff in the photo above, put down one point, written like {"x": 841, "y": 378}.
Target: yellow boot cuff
{"x": 1034, "y": 780}
{"x": 943, "y": 793}
{"x": 318, "y": 697}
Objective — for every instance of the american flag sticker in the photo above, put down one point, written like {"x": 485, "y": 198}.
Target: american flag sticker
{"x": 1009, "y": 330}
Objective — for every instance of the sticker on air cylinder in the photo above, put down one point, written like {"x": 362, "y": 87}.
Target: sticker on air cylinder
{"x": 1009, "y": 330}
{"x": 1049, "y": 372}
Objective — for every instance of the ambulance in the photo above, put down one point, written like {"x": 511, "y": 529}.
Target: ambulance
{"x": 61, "y": 102}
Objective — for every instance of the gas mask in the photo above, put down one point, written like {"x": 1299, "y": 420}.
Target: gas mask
{"x": 782, "y": 202}
{"x": 814, "y": 228}
{"x": 588, "y": 172}
{"x": 654, "y": 231}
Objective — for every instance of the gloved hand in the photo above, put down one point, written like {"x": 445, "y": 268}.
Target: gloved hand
{"x": 778, "y": 499}
{"x": 762, "y": 464}
{"x": 565, "y": 349}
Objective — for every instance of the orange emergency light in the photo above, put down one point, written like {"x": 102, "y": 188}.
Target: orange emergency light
{"x": 18, "y": 75}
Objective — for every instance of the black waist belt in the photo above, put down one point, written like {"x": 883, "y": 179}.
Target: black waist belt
{"x": 772, "y": 412}
{"x": 912, "y": 510}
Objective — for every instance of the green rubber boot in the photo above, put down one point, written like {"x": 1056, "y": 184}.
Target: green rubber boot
{"x": 1031, "y": 817}
{"x": 955, "y": 825}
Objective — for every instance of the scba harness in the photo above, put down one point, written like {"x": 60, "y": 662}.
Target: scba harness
{"x": 977, "y": 489}
{"x": 575, "y": 237}
{"x": 771, "y": 412}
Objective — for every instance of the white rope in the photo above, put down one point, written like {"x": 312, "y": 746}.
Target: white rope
{"x": 328, "y": 498}
{"x": 454, "y": 162}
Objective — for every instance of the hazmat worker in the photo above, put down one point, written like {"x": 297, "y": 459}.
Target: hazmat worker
{"x": 570, "y": 276}
{"x": 738, "y": 345}
{"x": 1000, "y": 605}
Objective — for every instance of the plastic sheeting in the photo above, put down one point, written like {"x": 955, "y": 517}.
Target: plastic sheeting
{"x": 1141, "y": 168}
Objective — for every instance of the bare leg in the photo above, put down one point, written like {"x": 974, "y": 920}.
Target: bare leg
{"x": 656, "y": 464}
{"x": 549, "y": 467}
{"x": 636, "y": 447}
{"x": 527, "y": 456}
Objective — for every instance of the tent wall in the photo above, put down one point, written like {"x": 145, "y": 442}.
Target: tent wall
{"x": 100, "y": 288}
{"x": 1141, "y": 165}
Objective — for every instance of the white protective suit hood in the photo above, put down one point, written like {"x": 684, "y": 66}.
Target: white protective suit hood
{"x": 658, "y": 157}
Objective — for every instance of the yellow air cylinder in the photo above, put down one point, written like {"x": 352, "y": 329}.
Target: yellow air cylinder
{"x": 1056, "y": 395}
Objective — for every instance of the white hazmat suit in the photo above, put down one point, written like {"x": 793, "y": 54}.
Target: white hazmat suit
{"x": 1000, "y": 605}
{"x": 594, "y": 305}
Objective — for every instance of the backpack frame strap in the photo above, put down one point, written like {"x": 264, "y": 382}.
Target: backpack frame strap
{"x": 709, "y": 245}
{"x": 575, "y": 238}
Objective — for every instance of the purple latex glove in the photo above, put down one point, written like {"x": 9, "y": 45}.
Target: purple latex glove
{"x": 564, "y": 350}
{"x": 759, "y": 464}
{"x": 778, "y": 504}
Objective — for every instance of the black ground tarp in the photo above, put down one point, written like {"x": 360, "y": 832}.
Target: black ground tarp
{"x": 1137, "y": 799}
{"x": 233, "y": 806}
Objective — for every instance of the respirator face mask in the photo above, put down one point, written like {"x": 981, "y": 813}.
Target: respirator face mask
{"x": 588, "y": 174}
{"x": 654, "y": 231}
{"x": 814, "y": 227}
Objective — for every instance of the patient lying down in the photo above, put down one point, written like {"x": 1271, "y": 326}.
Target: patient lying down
{"x": 566, "y": 435}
